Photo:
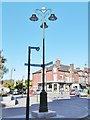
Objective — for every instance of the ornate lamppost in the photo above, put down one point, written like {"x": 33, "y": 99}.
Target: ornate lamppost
{"x": 43, "y": 12}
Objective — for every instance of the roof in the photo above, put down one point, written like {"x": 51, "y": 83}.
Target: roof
{"x": 64, "y": 68}
{"x": 39, "y": 71}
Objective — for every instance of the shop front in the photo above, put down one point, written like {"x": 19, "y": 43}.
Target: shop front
{"x": 55, "y": 86}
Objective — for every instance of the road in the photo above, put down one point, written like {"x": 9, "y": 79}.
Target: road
{"x": 69, "y": 108}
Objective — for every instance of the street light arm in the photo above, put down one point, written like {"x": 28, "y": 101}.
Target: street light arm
{"x": 37, "y": 48}
{"x": 48, "y": 11}
{"x": 41, "y": 11}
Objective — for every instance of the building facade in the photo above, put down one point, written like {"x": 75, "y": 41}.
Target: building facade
{"x": 59, "y": 76}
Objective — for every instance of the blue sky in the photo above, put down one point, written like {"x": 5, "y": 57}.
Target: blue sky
{"x": 66, "y": 38}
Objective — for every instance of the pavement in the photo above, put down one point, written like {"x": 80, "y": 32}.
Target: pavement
{"x": 34, "y": 99}
{"x": 73, "y": 107}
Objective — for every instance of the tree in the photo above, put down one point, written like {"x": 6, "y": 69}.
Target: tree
{"x": 26, "y": 84}
{"x": 19, "y": 85}
{"x": 3, "y": 69}
{"x": 9, "y": 85}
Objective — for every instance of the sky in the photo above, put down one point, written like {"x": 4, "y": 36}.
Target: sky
{"x": 65, "y": 39}
{"x": 45, "y": 0}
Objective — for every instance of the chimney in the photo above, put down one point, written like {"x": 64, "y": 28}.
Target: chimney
{"x": 58, "y": 62}
{"x": 85, "y": 69}
{"x": 78, "y": 69}
{"x": 71, "y": 66}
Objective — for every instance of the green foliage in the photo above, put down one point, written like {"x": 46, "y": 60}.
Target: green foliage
{"x": 26, "y": 83}
{"x": 9, "y": 85}
{"x": 3, "y": 69}
{"x": 3, "y": 93}
{"x": 19, "y": 85}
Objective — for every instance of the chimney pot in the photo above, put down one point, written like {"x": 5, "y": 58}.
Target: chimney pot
{"x": 58, "y": 62}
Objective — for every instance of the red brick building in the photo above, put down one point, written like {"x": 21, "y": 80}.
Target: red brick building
{"x": 59, "y": 76}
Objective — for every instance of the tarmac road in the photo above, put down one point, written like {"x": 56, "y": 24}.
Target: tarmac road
{"x": 72, "y": 108}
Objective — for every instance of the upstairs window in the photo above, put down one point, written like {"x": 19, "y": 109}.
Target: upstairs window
{"x": 54, "y": 69}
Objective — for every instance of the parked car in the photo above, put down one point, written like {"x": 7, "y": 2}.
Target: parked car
{"x": 22, "y": 91}
{"x": 38, "y": 91}
{"x": 72, "y": 92}
{"x": 3, "y": 93}
{"x": 81, "y": 93}
{"x": 32, "y": 92}
{"x": 15, "y": 92}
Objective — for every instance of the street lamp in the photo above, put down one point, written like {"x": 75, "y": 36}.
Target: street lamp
{"x": 13, "y": 69}
{"x": 27, "y": 102}
{"x": 43, "y": 12}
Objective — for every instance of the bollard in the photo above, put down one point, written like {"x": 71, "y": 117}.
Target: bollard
{"x": 37, "y": 98}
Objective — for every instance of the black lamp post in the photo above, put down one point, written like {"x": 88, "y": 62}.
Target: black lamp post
{"x": 43, "y": 95}
{"x": 27, "y": 102}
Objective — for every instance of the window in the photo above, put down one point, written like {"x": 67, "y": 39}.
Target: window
{"x": 61, "y": 77}
{"x": 81, "y": 79}
{"x": 54, "y": 69}
{"x": 50, "y": 85}
{"x": 67, "y": 79}
{"x": 80, "y": 73}
{"x": 55, "y": 86}
{"x": 87, "y": 80}
{"x": 85, "y": 74}
{"x": 71, "y": 79}
{"x": 55, "y": 77}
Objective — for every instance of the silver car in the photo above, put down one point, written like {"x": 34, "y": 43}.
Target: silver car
{"x": 81, "y": 93}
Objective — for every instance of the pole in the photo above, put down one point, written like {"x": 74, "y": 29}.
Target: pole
{"x": 43, "y": 36}
{"x": 27, "y": 104}
{"x": 11, "y": 75}
{"x": 43, "y": 52}
{"x": 43, "y": 95}
{"x": 43, "y": 66}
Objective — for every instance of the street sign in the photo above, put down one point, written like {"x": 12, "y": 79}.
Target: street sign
{"x": 35, "y": 65}
{"x": 49, "y": 63}
{"x": 39, "y": 65}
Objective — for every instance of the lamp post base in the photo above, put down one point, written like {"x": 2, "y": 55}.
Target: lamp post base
{"x": 49, "y": 114}
{"x": 43, "y": 102}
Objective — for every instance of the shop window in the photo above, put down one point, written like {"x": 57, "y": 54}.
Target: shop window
{"x": 50, "y": 86}
{"x": 55, "y": 86}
